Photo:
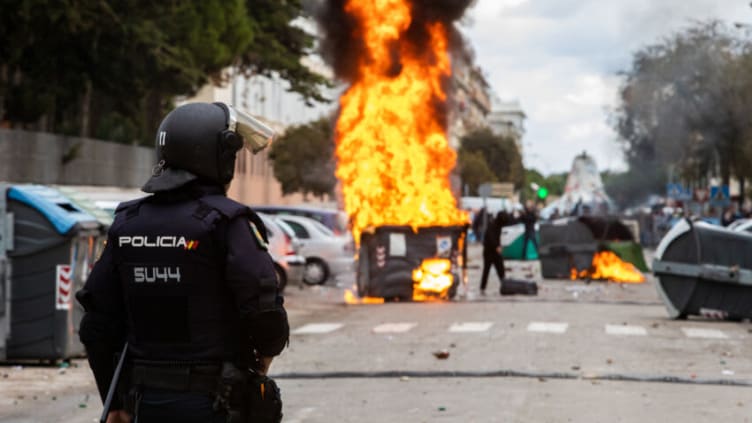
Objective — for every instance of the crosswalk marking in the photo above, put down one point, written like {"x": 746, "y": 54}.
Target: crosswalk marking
{"x": 470, "y": 327}
{"x": 549, "y": 327}
{"x": 394, "y": 327}
{"x": 316, "y": 328}
{"x": 626, "y": 330}
{"x": 703, "y": 333}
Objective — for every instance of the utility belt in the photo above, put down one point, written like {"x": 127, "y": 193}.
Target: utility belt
{"x": 242, "y": 394}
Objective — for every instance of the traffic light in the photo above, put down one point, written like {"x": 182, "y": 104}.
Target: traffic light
{"x": 542, "y": 193}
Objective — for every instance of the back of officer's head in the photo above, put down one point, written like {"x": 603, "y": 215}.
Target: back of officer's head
{"x": 194, "y": 142}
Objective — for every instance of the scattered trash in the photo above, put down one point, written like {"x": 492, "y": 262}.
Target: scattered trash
{"x": 609, "y": 361}
{"x": 654, "y": 325}
{"x": 541, "y": 379}
{"x": 441, "y": 355}
{"x": 54, "y": 398}
{"x": 693, "y": 376}
{"x": 404, "y": 378}
{"x": 81, "y": 405}
{"x": 740, "y": 404}
{"x": 442, "y": 408}
{"x": 727, "y": 372}
{"x": 575, "y": 368}
{"x": 723, "y": 362}
{"x": 63, "y": 365}
{"x": 452, "y": 345}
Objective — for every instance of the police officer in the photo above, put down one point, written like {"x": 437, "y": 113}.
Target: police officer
{"x": 186, "y": 280}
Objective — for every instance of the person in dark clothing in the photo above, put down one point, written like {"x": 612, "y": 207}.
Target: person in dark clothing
{"x": 528, "y": 218}
{"x": 492, "y": 249}
{"x": 186, "y": 281}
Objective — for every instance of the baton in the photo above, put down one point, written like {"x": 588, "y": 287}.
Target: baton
{"x": 113, "y": 385}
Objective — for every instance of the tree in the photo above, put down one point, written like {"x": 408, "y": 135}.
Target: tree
{"x": 499, "y": 153}
{"x": 303, "y": 159}
{"x": 474, "y": 170}
{"x": 684, "y": 109}
{"x": 112, "y": 69}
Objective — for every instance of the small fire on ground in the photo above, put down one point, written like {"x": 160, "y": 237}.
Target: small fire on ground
{"x": 607, "y": 265}
{"x": 352, "y": 298}
{"x": 432, "y": 280}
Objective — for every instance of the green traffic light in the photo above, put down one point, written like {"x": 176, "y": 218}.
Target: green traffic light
{"x": 542, "y": 193}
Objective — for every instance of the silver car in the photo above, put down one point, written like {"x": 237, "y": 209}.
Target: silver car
{"x": 283, "y": 247}
{"x": 327, "y": 255}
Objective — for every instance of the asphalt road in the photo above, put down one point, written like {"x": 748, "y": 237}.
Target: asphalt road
{"x": 597, "y": 352}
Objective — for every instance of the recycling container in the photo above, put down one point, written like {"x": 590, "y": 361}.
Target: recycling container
{"x": 388, "y": 255}
{"x": 6, "y": 238}
{"x": 55, "y": 245}
{"x": 703, "y": 269}
{"x": 570, "y": 243}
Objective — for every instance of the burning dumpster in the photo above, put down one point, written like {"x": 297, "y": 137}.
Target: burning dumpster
{"x": 703, "y": 269}
{"x": 590, "y": 247}
{"x": 397, "y": 262}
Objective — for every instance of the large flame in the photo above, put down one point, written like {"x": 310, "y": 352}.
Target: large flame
{"x": 607, "y": 265}
{"x": 393, "y": 157}
{"x": 432, "y": 279}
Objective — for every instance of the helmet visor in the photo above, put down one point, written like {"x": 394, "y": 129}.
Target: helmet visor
{"x": 256, "y": 134}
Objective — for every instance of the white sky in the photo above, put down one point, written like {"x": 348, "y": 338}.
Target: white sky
{"x": 560, "y": 58}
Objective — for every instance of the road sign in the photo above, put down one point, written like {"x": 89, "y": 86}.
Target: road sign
{"x": 720, "y": 196}
{"x": 701, "y": 195}
{"x": 678, "y": 192}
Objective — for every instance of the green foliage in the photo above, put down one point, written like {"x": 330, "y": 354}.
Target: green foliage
{"x": 499, "y": 153}
{"x": 86, "y": 68}
{"x": 474, "y": 170}
{"x": 303, "y": 159}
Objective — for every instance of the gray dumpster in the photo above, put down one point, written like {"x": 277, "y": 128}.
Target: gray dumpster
{"x": 6, "y": 243}
{"x": 54, "y": 247}
{"x": 570, "y": 243}
{"x": 704, "y": 269}
{"x": 389, "y": 254}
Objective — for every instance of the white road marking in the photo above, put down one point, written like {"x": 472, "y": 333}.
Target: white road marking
{"x": 626, "y": 330}
{"x": 470, "y": 327}
{"x": 301, "y": 415}
{"x": 549, "y": 327}
{"x": 703, "y": 333}
{"x": 394, "y": 327}
{"x": 316, "y": 328}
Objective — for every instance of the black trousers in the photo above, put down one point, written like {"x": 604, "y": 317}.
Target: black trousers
{"x": 495, "y": 259}
{"x": 158, "y": 406}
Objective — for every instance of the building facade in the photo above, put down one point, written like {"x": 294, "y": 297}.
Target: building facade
{"x": 507, "y": 119}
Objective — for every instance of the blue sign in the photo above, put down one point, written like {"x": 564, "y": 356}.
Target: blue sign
{"x": 720, "y": 196}
{"x": 678, "y": 192}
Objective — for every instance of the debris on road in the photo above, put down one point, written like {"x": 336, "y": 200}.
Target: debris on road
{"x": 441, "y": 355}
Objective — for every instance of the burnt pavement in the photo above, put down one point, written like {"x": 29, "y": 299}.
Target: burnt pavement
{"x": 577, "y": 352}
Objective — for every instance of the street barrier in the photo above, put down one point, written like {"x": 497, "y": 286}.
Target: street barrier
{"x": 54, "y": 246}
{"x": 388, "y": 256}
{"x": 704, "y": 269}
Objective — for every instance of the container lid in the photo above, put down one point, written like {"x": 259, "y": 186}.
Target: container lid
{"x": 58, "y": 209}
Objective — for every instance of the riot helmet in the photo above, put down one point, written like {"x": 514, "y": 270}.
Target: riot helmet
{"x": 200, "y": 141}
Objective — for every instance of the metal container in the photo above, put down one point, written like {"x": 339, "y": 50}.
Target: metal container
{"x": 703, "y": 269}
{"x": 570, "y": 243}
{"x": 54, "y": 246}
{"x": 389, "y": 254}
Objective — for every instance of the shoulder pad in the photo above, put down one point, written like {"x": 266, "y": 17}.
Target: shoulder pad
{"x": 227, "y": 207}
{"x": 128, "y": 204}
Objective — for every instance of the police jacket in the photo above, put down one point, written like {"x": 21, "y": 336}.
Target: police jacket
{"x": 184, "y": 277}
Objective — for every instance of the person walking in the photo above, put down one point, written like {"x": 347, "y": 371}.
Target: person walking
{"x": 528, "y": 218}
{"x": 492, "y": 250}
{"x": 185, "y": 285}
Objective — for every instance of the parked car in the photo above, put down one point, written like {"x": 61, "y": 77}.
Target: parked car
{"x": 283, "y": 247}
{"x": 335, "y": 220}
{"x": 741, "y": 225}
{"x": 326, "y": 254}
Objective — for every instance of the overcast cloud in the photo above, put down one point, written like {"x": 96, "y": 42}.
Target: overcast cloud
{"x": 560, "y": 58}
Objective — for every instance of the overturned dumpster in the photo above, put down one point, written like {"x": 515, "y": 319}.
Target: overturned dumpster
{"x": 399, "y": 263}
{"x": 567, "y": 245}
{"x": 53, "y": 246}
{"x": 702, "y": 269}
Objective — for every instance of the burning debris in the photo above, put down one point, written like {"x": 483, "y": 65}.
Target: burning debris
{"x": 393, "y": 155}
{"x": 608, "y": 266}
